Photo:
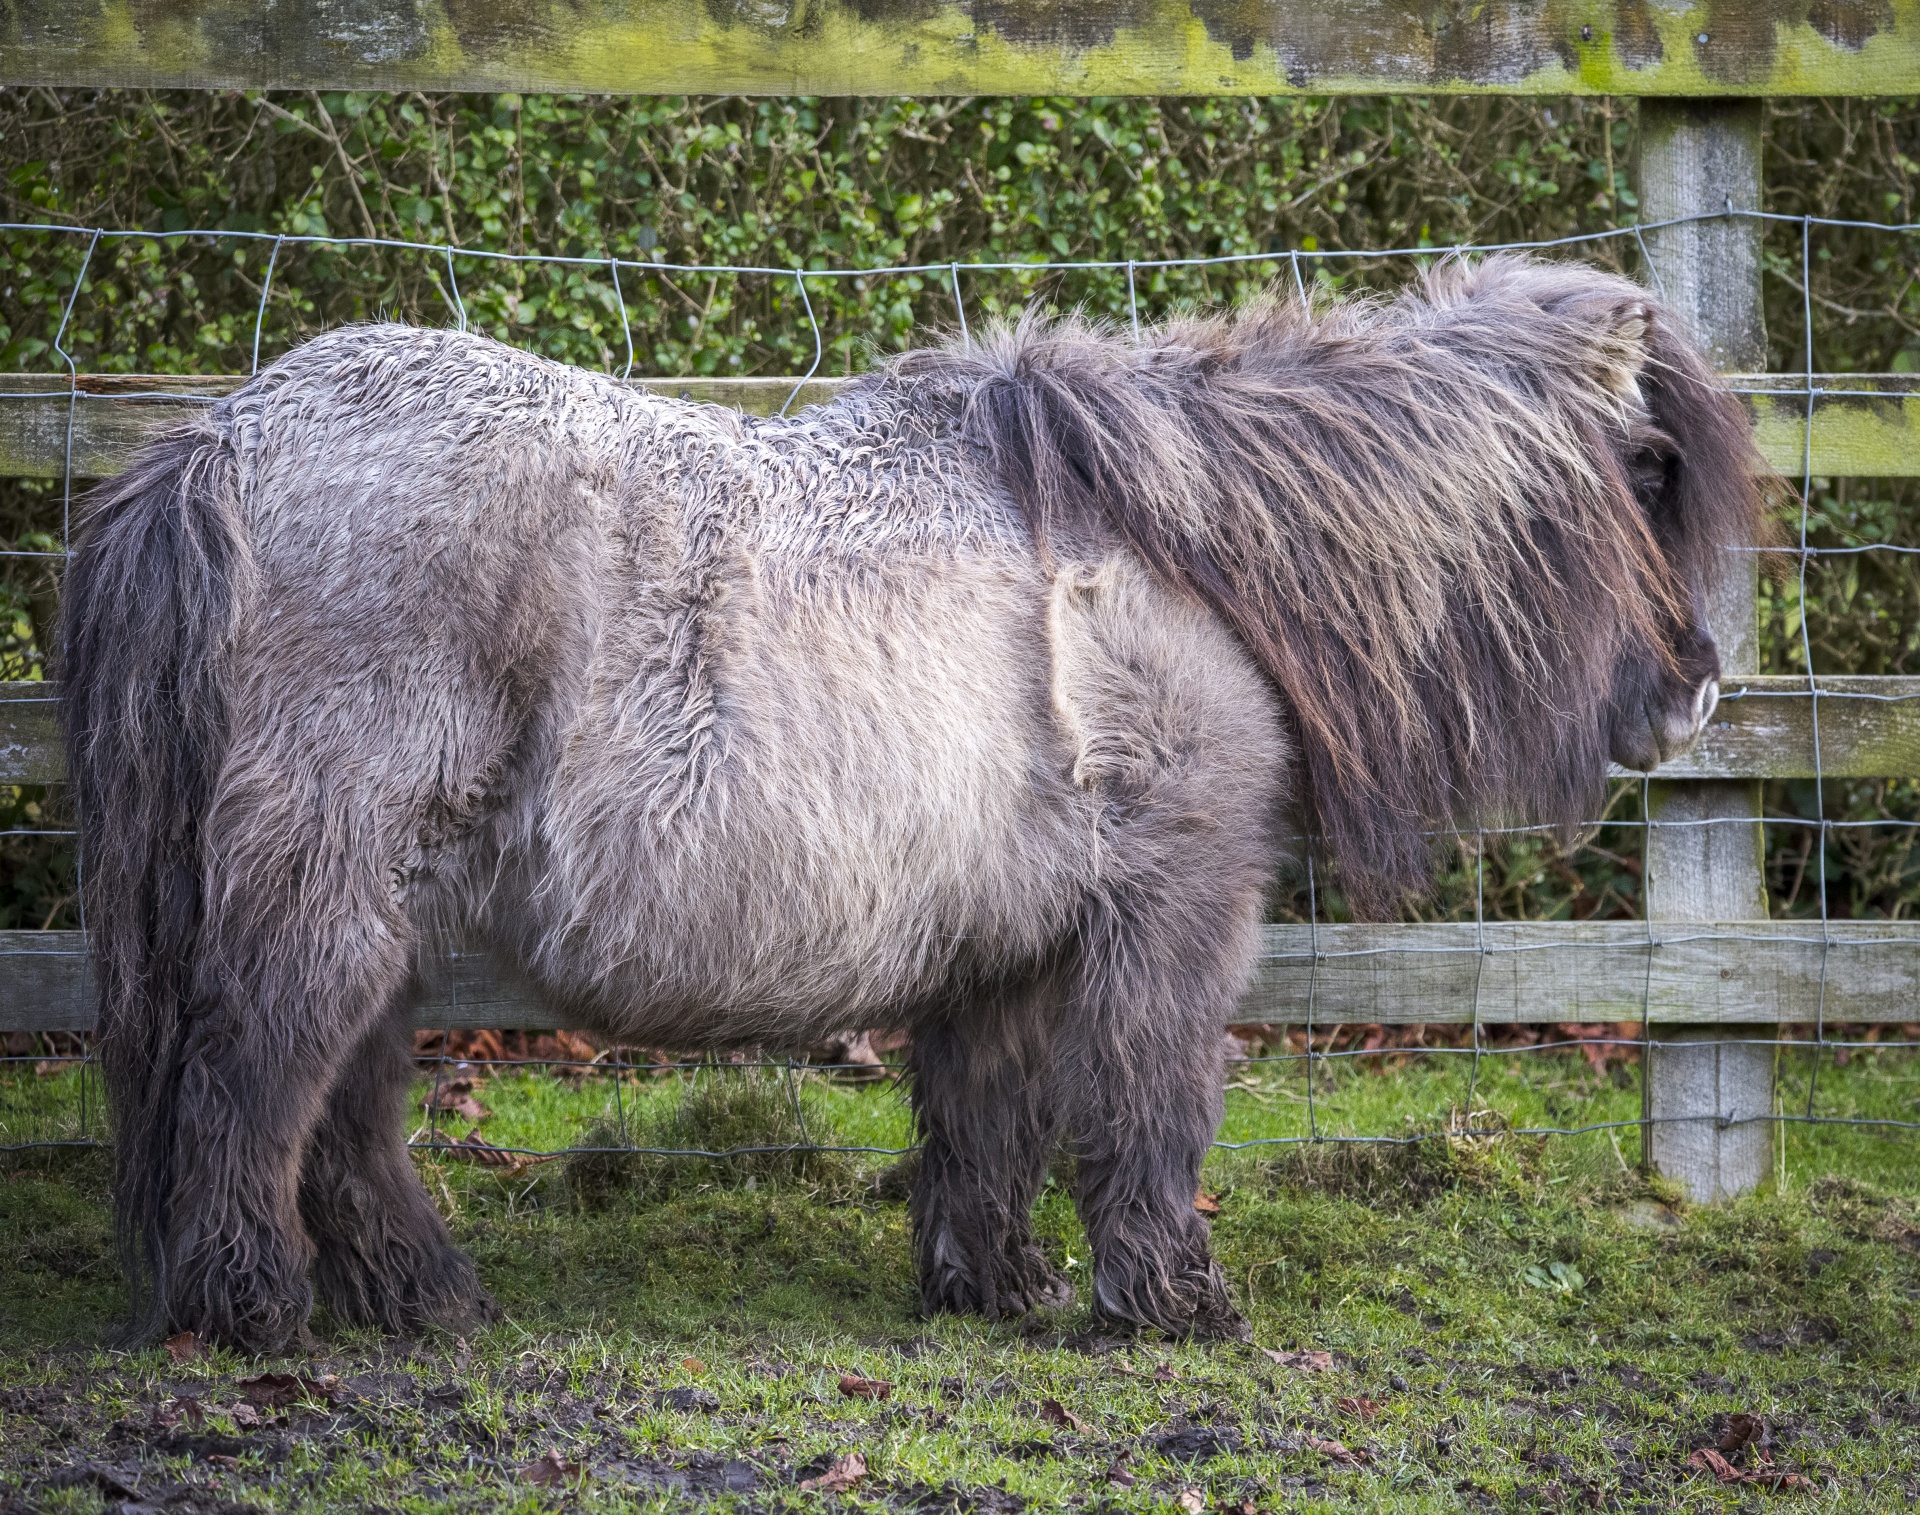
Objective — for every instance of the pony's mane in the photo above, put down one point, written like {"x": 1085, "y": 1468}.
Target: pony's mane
{"x": 1437, "y": 523}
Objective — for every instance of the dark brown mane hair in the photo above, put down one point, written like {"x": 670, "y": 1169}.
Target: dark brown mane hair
{"x": 1441, "y": 523}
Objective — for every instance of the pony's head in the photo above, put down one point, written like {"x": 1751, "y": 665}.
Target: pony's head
{"x": 1684, "y": 467}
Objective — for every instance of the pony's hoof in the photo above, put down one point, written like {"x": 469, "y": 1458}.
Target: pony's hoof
{"x": 1007, "y": 1288}
{"x": 1032, "y": 1283}
{"x": 1223, "y": 1323}
{"x": 461, "y": 1317}
{"x": 1192, "y": 1304}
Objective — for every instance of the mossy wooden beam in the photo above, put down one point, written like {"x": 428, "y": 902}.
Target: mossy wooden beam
{"x": 1764, "y": 728}
{"x": 113, "y": 413}
{"x": 981, "y": 47}
{"x": 1730, "y": 973}
{"x": 1864, "y": 425}
{"x": 30, "y": 751}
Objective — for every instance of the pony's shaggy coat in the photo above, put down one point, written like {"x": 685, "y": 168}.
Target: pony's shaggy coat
{"x": 978, "y": 701}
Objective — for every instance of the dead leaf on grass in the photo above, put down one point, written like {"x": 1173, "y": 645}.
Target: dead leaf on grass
{"x": 183, "y": 1347}
{"x": 1117, "y": 1473}
{"x": 1205, "y": 1203}
{"x": 1766, "y": 1476}
{"x": 1052, "y": 1411}
{"x": 548, "y": 1469}
{"x": 186, "y": 1408}
{"x": 244, "y": 1415}
{"x": 1192, "y": 1501}
{"x": 1706, "y": 1460}
{"x": 460, "y": 1102}
{"x": 693, "y": 1365}
{"x": 1305, "y": 1362}
{"x": 1359, "y": 1405}
{"x": 846, "y": 1473}
{"x": 1339, "y": 1451}
{"x": 477, "y": 1148}
{"x": 1743, "y": 1431}
{"x": 271, "y": 1390}
{"x": 1166, "y": 1373}
{"x": 856, "y": 1387}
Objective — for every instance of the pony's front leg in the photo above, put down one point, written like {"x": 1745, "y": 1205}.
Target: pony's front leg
{"x": 383, "y": 1255}
{"x": 980, "y": 1079}
{"x": 1140, "y": 1087}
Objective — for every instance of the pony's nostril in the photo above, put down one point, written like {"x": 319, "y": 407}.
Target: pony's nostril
{"x": 1706, "y": 699}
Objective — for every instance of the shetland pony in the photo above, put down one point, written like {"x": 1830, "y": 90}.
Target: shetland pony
{"x": 978, "y": 701}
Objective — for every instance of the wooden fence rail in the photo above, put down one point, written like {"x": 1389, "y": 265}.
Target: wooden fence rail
{"x": 1764, "y": 728}
{"x": 1699, "y": 964}
{"x": 975, "y": 47}
{"x": 1725, "y": 973}
{"x": 1864, "y": 425}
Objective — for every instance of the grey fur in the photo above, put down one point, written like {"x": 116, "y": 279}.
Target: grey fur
{"x": 950, "y": 705}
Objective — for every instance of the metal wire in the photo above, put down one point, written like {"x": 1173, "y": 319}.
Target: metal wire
{"x": 1655, "y": 936}
{"x": 260, "y": 314}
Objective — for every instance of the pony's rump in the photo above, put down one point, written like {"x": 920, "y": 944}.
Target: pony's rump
{"x": 1437, "y": 523}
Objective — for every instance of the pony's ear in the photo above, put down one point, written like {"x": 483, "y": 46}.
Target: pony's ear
{"x": 1618, "y": 351}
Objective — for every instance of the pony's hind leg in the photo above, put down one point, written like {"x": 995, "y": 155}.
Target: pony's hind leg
{"x": 382, "y": 1255}
{"x": 249, "y": 1081}
{"x": 1140, "y": 1090}
{"x": 980, "y": 1077}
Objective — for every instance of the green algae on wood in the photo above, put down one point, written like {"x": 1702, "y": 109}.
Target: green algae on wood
{"x": 1017, "y": 47}
{"x": 1864, "y": 425}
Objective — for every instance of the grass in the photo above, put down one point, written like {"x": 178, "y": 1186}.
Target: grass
{"x": 1514, "y": 1323}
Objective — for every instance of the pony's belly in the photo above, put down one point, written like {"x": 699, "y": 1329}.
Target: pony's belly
{"x": 845, "y": 795}
{"x": 641, "y": 1013}
{"x": 696, "y": 982}
{"x": 786, "y": 923}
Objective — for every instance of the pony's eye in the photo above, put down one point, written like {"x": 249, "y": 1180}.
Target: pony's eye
{"x": 1651, "y": 470}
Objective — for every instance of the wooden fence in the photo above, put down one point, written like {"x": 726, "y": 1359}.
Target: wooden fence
{"x": 1707, "y": 969}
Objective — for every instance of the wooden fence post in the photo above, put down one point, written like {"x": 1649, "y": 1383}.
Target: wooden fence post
{"x": 1698, "y": 157}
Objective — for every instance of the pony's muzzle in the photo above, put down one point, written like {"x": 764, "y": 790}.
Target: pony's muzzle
{"x": 1664, "y": 728}
{"x": 1681, "y": 727}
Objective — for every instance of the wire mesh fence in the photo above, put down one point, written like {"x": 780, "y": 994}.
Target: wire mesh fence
{"x": 1286, "y": 1045}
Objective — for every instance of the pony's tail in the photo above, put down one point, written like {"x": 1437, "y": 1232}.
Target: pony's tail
{"x": 147, "y": 612}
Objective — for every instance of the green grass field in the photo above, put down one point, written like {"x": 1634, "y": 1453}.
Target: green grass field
{"x": 1512, "y": 1323}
